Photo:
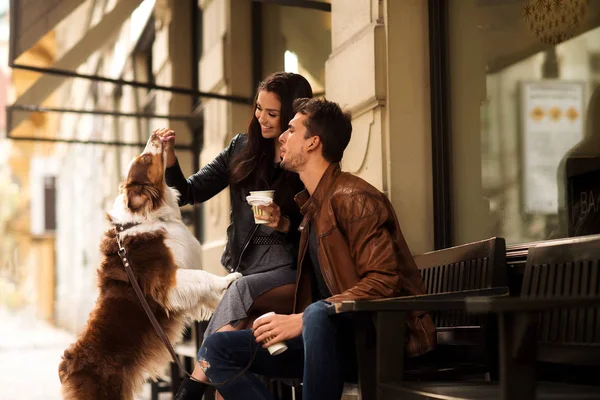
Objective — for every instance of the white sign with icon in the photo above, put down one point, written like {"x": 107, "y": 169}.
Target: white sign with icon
{"x": 553, "y": 122}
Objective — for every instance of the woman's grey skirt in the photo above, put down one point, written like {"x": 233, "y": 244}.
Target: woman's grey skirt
{"x": 241, "y": 294}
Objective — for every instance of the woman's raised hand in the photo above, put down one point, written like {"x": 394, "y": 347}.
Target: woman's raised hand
{"x": 167, "y": 136}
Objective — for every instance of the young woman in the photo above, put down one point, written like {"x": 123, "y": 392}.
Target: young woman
{"x": 265, "y": 254}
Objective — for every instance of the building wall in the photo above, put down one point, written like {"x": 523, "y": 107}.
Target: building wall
{"x": 389, "y": 100}
{"x": 90, "y": 175}
{"x": 224, "y": 69}
{"x": 31, "y": 264}
{"x": 84, "y": 193}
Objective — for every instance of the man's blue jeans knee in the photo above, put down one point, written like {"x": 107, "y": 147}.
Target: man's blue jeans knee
{"x": 322, "y": 357}
{"x": 224, "y": 355}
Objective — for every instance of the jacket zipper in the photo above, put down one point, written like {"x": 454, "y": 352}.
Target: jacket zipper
{"x": 248, "y": 239}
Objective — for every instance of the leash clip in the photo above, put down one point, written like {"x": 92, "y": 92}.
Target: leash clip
{"x": 121, "y": 251}
{"x": 121, "y": 248}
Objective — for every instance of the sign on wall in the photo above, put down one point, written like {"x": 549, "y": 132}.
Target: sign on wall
{"x": 583, "y": 197}
{"x": 552, "y": 114}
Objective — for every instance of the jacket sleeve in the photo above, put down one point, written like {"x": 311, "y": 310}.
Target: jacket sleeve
{"x": 207, "y": 182}
{"x": 364, "y": 220}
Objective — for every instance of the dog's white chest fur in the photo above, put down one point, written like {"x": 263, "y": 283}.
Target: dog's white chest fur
{"x": 186, "y": 250}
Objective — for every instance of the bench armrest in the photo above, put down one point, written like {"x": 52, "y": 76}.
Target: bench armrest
{"x": 483, "y": 305}
{"x": 483, "y": 301}
{"x": 440, "y": 301}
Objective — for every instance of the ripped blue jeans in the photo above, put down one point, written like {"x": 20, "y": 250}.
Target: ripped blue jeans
{"x": 323, "y": 357}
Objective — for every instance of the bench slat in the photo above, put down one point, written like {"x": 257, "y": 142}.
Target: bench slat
{"x": 484, "y": 391}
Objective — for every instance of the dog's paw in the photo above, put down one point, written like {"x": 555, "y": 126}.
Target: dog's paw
{"x": 202, "y": 312}
{"x": 232, "y": 278}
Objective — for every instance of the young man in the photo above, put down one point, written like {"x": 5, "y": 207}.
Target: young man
{"x": 351, "y": 248}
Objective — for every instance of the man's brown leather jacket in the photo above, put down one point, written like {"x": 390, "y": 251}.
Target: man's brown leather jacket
{"x": 361, "y": 250}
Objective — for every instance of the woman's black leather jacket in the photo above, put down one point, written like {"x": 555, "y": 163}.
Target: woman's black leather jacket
{"x": 242, "y": 231}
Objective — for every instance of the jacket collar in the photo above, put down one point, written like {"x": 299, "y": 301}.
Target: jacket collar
{"x": 308, "y": 204}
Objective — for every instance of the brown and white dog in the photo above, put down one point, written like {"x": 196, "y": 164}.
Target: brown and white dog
{"x": 118, "y": 347}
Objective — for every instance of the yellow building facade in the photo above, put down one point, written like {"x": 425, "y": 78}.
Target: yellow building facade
{"x": 31, "y": 256}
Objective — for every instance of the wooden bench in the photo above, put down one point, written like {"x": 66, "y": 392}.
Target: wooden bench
{"x": 567, "y": 337}
{"x": 474, "y": 269}
{"x": 465, "y": 342}
{"x": 556, "y": 320}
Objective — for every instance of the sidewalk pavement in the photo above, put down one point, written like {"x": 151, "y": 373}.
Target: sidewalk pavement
{"x": 30, "y": 351}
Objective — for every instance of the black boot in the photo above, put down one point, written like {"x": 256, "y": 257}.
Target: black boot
{"x": 190, "y": 390}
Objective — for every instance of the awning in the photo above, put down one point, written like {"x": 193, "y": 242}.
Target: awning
{"x": 32, "y": 19}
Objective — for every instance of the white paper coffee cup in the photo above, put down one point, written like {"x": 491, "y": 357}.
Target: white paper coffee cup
{"x": 275, "y": 348}
{"x": 260, "y": 198}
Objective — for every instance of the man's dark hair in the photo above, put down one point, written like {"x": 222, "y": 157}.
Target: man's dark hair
{"x": 327, "y": 121}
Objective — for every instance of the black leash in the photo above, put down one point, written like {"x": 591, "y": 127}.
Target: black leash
{"x": 159, "y": 331}
{"x": 138, "y": 291}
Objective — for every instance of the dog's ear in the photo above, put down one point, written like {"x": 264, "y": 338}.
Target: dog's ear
{"x": 136, "y": 197}
{"x": 139, "y": 195}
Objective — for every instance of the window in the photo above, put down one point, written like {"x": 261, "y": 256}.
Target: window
{"x": 142, "y": 59}
{"x": 524, "y": 106}
{"x": 296, "y": 39}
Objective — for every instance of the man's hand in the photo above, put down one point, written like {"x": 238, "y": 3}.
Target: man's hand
{"x": 167, "y": 136}
{"x": 277, "y": 328}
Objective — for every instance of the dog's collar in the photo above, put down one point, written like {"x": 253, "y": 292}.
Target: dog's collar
{"x": 123, "y": 227}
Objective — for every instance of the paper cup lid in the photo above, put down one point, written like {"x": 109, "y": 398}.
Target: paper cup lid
{"x": 259, "y": 200}
{"x": 265, "y": 315}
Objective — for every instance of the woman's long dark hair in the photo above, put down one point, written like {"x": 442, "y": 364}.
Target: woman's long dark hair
{"x": 254, "y": 164}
